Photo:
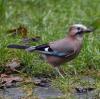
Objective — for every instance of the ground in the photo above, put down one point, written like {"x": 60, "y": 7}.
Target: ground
{"x": 50, "y": 20}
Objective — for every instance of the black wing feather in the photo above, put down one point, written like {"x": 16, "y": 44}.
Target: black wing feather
{"x": 17, "y": 46}
{"x": 43, "y": 47}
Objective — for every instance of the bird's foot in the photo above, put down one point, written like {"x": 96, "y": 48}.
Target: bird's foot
{"x": 57, "y": 69}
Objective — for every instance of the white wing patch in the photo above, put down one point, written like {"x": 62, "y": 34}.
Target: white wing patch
{"x": 47, "y": 49}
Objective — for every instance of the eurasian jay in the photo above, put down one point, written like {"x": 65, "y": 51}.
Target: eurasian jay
{"x": 60, "y": 51}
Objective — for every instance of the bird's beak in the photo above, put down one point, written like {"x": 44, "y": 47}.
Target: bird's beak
{"x": 88, "y": 30}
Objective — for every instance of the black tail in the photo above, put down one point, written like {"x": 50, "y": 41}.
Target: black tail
{"x": 17, "y": 46}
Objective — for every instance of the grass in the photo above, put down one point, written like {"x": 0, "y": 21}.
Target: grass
{"x": 50, "y": 19}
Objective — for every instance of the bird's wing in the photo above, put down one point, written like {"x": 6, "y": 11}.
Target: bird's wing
{"x": 48, "y": 49}
{"x": 44, "y": 49}
{"x": 60, "y": 48}
{"x": 65, "y": 46}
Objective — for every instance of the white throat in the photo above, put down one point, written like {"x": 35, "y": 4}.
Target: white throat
{"x": 79, "y": 38}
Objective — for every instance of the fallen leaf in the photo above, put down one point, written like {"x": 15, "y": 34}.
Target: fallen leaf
{"x": 84, "y": 90}
{"x": 42, "y": 82}
{"x": 9, "y": 80}
{"x": 13, "y": 64}
{"x": 3, "y": 75}
{"x": 32, "y": 39}
{"x": 21, "y": 30}
{"x": 35, "y": 38}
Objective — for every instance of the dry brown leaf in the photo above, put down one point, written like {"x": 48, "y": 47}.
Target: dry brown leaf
{"x": 21, "y": 30}
{"x": 13, "y": 64}
{"x": 32, "y": 39}
{"x": 8, "y": 80}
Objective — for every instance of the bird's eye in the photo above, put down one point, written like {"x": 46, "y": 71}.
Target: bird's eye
{"x": 79, "y": 28}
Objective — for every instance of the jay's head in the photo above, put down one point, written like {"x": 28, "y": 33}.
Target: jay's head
{"x": 77, "y": 30}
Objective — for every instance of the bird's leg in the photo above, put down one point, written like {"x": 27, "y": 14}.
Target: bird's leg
{"x": 62, "y": 71}
{"x": 75, "y": 72}
{"x": 57, "y": 69}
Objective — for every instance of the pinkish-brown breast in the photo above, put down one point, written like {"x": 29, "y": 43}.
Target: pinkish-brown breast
{"x": 64, "y": 45}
